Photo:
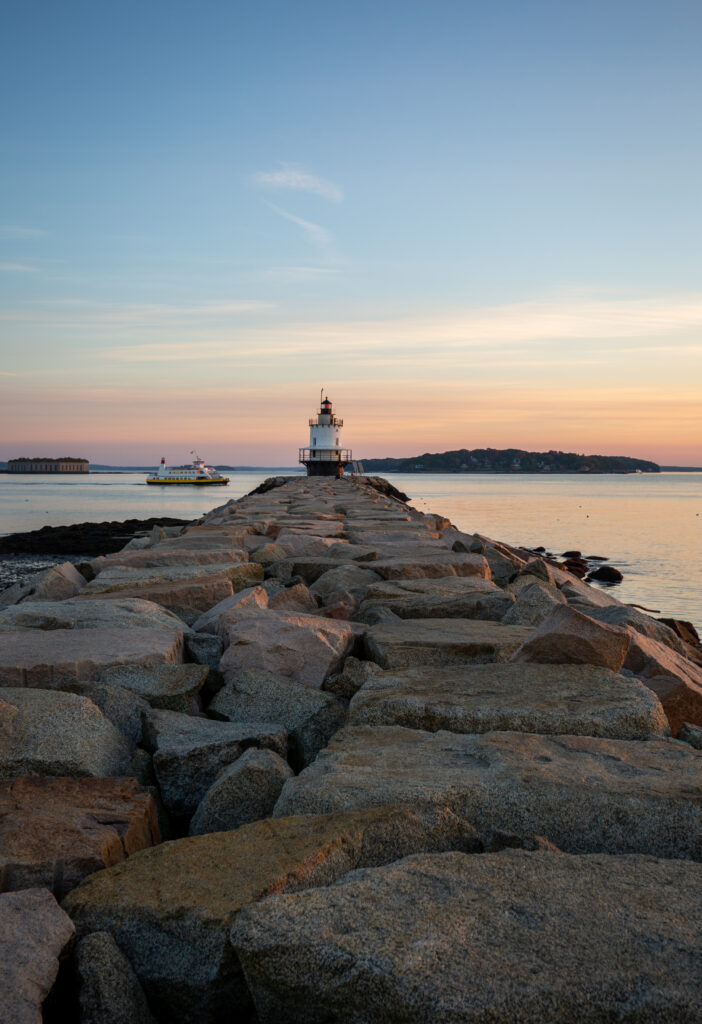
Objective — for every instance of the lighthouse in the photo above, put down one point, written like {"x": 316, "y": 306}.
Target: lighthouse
{"x": 325, "y": 456}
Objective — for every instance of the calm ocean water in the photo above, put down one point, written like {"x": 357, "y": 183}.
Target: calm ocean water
{"x": 649, "y": 525}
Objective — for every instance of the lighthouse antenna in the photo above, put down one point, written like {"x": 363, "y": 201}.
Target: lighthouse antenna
{"x": 321, "y": 396}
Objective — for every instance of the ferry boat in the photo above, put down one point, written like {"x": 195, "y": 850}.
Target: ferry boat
{"x": 196, "y": 473}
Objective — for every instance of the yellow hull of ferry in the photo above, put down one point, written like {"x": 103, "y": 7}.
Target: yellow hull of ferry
{"x": 198, "y": 483}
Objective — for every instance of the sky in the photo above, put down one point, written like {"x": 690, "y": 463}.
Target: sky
{"x": 474, "y": 225}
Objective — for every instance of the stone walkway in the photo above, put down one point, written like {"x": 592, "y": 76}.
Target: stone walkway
{"x": 319, "y": 757}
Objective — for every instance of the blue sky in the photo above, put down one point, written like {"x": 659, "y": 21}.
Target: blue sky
{"x": 488, "y": 215}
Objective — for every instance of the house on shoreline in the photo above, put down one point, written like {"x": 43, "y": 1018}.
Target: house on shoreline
{"x": 64, "y": 465}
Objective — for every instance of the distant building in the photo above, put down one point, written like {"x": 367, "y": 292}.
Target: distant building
{"x": 65, "y": 465}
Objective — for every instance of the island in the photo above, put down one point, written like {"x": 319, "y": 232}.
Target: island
{"x": 510, "y": 460}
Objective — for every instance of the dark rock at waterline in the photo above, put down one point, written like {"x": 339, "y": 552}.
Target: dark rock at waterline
{"x": 81, "y": 538}
{"x": 685, "y": 630}
{"x": 596, "y": 558}
{"x": 384, "y": 486}
{"x": 606, "y": 574}
{"x": 572, "y": 554}
{"x": 576, "y": 566}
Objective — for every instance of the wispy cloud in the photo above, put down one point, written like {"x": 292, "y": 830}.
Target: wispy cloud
{"x": 549, "y": 332}
{"x": 295, "y": 273}
{"x": 18, "y": 231}
{"x": 17, "y": 268}
{"x": 79, "y": 314}
{"x": 294, "y": 176}
{"x": 319, "y": 236}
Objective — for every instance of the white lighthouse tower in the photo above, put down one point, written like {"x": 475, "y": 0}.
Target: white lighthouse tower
{"x": 325, "y": 455}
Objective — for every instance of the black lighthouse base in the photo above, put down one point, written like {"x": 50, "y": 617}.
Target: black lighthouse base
{"x": 326, "y": 468}
{"x": 325, "y": 462}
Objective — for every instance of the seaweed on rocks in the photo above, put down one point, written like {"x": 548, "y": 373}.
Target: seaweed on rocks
{"x": 89, "y": 539}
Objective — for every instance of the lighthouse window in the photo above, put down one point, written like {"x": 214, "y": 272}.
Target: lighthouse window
{"x": 314, "y": 441}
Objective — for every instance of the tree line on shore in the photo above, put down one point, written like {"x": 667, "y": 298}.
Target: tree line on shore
{"x": 510, "y": 460}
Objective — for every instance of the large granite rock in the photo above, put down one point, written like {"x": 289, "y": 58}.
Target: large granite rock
{"x": 122, "y": 707}
{"x": 170, "y": 909}
{"x": 46, "y": 658}
{"x": 431, "y": 564}
{"x": 581, "y": 595}
{"x": 442, "y": 641}
{"x": 34, "y": 934}
{"x": 82, "y": 613}
{"x": 115, "y": 579}
{"x": 293, "y": 599}
{"x": 244, "y": 792}
{"x": 108, "y": 989}
{"x": 189, "y": 753}
{"x": 56, "y": 584}
{"x": 179, "y": 554}
{"x": 572, "y": 699}
{"x": 214, "y": 620}
{"x": 534, "y": 603}
{"x": 625, "y": 616}
{"x": 174, "y": 687}
{"x": 351, "y": 578}
{"x": 55, "y": 831}
{"x": 585, "y": 795}
{"x": 676, "y": 680}
{"x": 568, "y": 637}
{"x": 204, "y": 649}
{"x": 448, "y": 597}
{"x": 187, "y": 591}
{"x": 45, "y": 732}
{"x": 310, "y": 717}
{"x": 513, "y": 936}
{"x": 303, "y": 648}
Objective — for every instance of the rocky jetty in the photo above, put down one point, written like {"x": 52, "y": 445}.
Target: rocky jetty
{"x": 319, "y": 757}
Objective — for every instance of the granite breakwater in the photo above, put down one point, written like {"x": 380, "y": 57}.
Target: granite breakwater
{"x": 318, "y": 757}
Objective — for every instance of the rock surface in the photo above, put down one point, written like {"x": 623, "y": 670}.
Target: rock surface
{"x": 190, "y": 752}
{"x": 534, "y": 604}
{"x": 187, "y": 591}
{"x": 170, "y": 909}
{"x": 640, "y": 797}
{"x": 624, "y": 615}
{"x": 173, "y": 687}
{"x": 676, "y": 681}
{"x": 55, "y": 831}
{"x": 450, "y": 597}
{"x": 303, "y": 648}
{"x": 56, "y": 584}
{"x": 122, "y": 707}
{"x": 108, "y": 989}
{"x": 45, "y": 732}
{"x": 513, "y": 936}
{"x": 215, "y": 618}
{"x": 567, "y": 637}
{"x": 570, "y": 699}
{"x": 82, "y": 613}
{"x": 414, "y": 642}
{"x": 433, "y": 564}
{"x": 351, "y": 578}
{"x": 34, "y": 933}
{"x": 45, "y": 658}
{"x": 244, "y": 792}
{"x": 310, "y": 717}
{"x": 294, "y": 599}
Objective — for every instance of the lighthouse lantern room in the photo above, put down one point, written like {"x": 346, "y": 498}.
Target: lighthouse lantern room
{"x": 325, "y": 456}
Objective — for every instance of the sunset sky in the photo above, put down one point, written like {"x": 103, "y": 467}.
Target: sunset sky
{"x": 475, "y": 225}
